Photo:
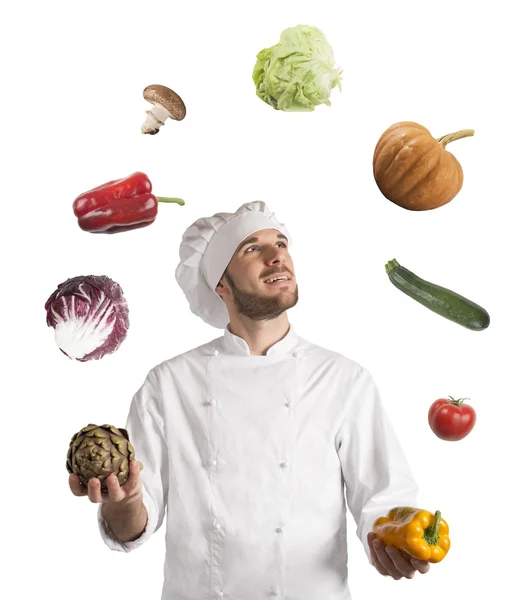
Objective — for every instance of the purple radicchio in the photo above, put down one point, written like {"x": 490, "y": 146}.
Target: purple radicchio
{"x": 89, "y": 315}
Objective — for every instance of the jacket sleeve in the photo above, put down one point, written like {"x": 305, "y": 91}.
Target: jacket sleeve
{"x": 146, "y": 433}
{"x": 376, "y": 473}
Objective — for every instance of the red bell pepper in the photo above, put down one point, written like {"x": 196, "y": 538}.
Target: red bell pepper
{"x": 119, "y": 205}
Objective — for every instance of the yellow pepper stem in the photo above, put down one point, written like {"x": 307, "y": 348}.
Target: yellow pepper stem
{"x": 431, "y": 534}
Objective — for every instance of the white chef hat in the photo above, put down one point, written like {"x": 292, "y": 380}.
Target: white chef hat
{"x": 207, "y": 247}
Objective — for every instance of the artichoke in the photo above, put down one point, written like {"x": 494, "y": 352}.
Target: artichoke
{"x": 98, "y": 451}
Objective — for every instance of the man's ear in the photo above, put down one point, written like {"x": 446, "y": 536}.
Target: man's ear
{"x": 219, "y": 288}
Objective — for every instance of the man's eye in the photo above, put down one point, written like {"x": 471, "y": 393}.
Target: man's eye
{"x": 255, "y": 248}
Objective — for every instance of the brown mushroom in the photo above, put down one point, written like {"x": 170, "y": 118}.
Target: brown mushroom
{"x": 167, "y": 104}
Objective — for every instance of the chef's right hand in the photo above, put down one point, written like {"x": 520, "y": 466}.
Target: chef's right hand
{"x": 129, "y": 492}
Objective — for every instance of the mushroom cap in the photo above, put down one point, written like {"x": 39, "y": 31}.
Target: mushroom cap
{"x": 171, "y": 101}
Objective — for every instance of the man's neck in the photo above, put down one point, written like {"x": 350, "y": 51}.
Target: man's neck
{"x": 260, "y": 335}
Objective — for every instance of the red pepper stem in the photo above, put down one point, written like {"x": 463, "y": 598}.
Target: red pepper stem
{"x": 431, "y": 535}
{"x": 176, "y": 200}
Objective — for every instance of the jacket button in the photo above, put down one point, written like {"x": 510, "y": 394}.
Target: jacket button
{"x": 296, "y": 354}
{"x": 211, "y": 402}
{"x": 284, "y": 464}
{"x": 279, "y": 529}
{"x": 215, "y": 352}
{"x": 212, "y": 462}
{"x": 220, "y": 594}
{"x": 288, "y": 403}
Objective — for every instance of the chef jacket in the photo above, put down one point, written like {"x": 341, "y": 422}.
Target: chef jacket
{"x": 253, "y": 459}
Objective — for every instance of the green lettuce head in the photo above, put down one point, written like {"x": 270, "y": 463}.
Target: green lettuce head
{"x": 299, "y": 72}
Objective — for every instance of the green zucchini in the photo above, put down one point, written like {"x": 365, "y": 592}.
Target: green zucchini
{"x": 440, "y": 300}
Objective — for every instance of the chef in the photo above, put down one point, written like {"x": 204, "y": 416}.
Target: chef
{"x": 256, "y": 443}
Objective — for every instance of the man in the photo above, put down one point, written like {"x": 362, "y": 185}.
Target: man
{"x": 251, "y": 439}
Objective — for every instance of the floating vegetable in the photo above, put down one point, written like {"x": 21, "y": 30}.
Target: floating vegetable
{"x": 414, "y": 170}
{"x": 299, "y": 72}
{"x": 98, "y": 451}
{"x": 440, "y": 300}
{"x": 420, "y": 533}
{"x": 167, "y": 105}
{"x": 450, "y": 419}
{"x": 89, "y": 315}
{"x": 119, "y": 205}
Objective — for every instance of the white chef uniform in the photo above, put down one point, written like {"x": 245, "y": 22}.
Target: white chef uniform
{"x": 250, "y": 457}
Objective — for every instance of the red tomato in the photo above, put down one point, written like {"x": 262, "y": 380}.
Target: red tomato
{"x": 450, "y": 419}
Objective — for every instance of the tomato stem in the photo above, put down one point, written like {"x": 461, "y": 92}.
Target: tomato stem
{"x": 458, "y": 401}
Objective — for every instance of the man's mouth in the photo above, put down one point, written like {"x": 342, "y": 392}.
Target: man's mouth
{"x": 276, "y": 279}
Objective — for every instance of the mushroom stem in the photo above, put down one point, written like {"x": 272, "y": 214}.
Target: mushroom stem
{"x": 156, "y": 118}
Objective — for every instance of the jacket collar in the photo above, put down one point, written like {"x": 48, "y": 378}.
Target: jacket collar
{"x": 233, "y": 344}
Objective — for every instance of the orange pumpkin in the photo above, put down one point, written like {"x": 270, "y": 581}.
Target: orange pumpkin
{"x": 414, "y": 170}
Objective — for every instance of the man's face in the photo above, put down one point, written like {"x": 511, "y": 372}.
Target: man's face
{"x": 258, "y": 260}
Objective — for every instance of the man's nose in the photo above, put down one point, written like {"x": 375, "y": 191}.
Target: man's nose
{"x": 276, "y": 255}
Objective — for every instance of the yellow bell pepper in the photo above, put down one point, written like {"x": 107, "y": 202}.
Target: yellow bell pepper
{"x": 421, "y": 534}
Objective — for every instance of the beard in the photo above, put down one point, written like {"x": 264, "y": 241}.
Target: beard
{"x": 261, "y": 308}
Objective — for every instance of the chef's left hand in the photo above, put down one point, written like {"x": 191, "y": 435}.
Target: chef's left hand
{"x": 390, "y": 561}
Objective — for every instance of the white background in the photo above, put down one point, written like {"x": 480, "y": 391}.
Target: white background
{"x": 72, "y": 108}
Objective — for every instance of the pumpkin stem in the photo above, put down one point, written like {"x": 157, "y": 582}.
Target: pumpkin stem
{"x": 451, "y": 137}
